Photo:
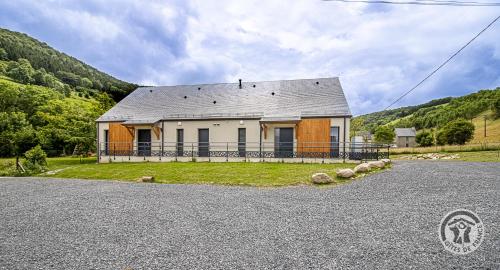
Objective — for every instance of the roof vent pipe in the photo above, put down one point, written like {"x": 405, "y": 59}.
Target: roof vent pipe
{"x": 240, "y": 84}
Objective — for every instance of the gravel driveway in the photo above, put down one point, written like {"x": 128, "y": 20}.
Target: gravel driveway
{"x": 387, "y": 220}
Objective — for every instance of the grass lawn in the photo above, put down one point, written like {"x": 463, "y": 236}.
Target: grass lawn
{"x": 482, "y": 156}
{"x": 251, "y": 174}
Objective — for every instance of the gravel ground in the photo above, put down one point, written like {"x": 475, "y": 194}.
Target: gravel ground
{"x": 386, "y": 220}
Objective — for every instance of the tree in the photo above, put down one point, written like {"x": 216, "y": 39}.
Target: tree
{"x": 66, "y": 123}
{"x": 16, "y": 134}
{"x": 424, "y": 138}
{"x": 21, "y": 71}
{"x": 39, "y": 77}
{"x": 3, "y": 68}
{"x": 384, "y": 134}
{"x": 459, "y": 132}
{"x": 86, "y": 83}
{"x": 356, "y": 126}
{"x": 496, "y": 107}
{"x": 3, "y": 55}
{"x": 441, "y": 137}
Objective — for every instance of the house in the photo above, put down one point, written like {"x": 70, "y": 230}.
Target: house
{"x": 275, "y": 120}
{"x": 405, "y": 137}
{"x": 366, "y": 136}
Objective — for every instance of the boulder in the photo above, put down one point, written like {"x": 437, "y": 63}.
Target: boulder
{"x": 386, "y": 161}
{"x": 376, "y": 164}
{"x": 321, "y": 178}
{"x": 146, "y": 179}
{"x": 363, "y": 167}
{"x": 345, "y": 173}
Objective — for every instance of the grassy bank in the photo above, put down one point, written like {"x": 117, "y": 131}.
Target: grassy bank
{"x": 251, "y": 174}
{"x": 477, "y": 156}
{"x": 447, "y": 149}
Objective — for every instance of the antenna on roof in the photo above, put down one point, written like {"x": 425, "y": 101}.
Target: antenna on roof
{"x": 240, "y": 84}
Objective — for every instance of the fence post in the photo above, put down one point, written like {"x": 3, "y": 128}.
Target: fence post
{"x": 227, "y": 151}
{"x": 192, "y": 152}
{"x": 114, "y": 151}
{"x": 343, "y": 147}
{"x": 323, "y": 154}
{"x": 388, "y": 151}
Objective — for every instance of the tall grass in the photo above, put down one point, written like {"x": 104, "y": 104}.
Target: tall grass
{"x": 487, "y": 146}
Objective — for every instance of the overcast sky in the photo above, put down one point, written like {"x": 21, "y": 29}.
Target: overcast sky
{"x": 378, "y": 51}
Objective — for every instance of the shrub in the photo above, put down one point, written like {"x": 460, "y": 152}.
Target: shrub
{"x": 496, "y": 107}
{"x": 441, "y": 137}
{"x": 36, "y": 160}
{"x": 424, "y": 138}
{"x": 459, "y": 131}
{"x": 384, "y": 134}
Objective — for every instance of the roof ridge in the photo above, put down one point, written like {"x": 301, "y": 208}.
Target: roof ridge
{"x": 285, "y": 80}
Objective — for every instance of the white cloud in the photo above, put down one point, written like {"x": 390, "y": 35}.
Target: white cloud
{"x": 379, "y": 52}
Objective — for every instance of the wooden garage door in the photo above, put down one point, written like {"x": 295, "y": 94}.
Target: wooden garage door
{"x": 120, "y": 139}
{"x": 313, "y": 135}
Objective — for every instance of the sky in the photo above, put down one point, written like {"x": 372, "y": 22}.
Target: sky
{"x": 377, "y": 51}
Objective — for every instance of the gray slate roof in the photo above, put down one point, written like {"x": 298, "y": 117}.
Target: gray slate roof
{"x": 292, "y": 98}
{"x": 405, "y": 132}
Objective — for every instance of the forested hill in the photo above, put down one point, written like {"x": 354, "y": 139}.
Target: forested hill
{"x": 50, "y": 99}
{"x": 69, "y": 70}
{"x": 435, "y": 113}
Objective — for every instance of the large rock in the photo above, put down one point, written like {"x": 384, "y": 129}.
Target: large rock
{"x": 363, "y": 167}
{"x": 146, "y": 179}
{"x": 386, "y": 161}
{"x": 345, "y": 173}
{"x": 376, "y": 164}
{"x": 321, "y": 178}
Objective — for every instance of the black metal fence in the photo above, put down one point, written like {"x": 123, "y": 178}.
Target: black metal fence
{"x": 247, "y": 150}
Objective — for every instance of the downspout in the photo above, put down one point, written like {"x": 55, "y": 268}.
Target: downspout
{"x": 162, "y": 136}
{"x": 260, "y": 141}
{"x": 344, "y": 137}
{"x": 97, "y": 146}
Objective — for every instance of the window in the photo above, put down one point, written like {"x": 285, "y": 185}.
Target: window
{"x": 242, "y": 140}
{"x": 334, "y": 141}
{"x": 180, "y": 142}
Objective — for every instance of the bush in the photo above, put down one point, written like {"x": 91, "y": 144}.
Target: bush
{"x": 459, "y": 132}
{"x": 424, "y": 138}
{"x": 496, "y": 107}
{"x": 441, "y": 137}
{"x": 36, "y": 160}
{"x": 384, "y": 134}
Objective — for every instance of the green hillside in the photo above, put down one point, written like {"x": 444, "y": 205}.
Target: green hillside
{"x": 67, "y": 69}
{"x": 50, "y": 99}
{"x": 433, "y": 114}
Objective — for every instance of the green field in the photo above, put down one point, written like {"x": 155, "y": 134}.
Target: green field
{"x": 250, "y": 174}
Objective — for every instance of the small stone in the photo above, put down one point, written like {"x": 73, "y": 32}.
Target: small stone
{"x": 363, "y": 167}
{"x": 386, "y": 161}
{"x": 345, "y": 173}
{"x": 321, "y": 178}
{"x": 146, "y": 179}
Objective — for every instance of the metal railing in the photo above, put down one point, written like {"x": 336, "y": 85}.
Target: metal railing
{"x": 246, "y": 150}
